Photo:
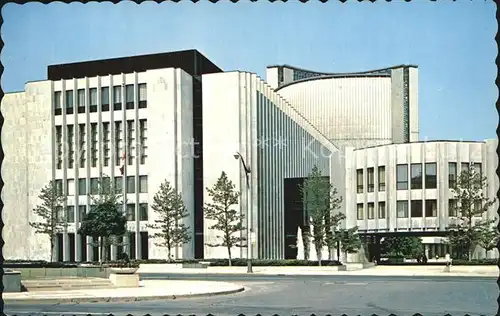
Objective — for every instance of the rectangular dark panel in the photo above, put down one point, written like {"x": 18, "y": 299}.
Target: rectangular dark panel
{"x": 71, "y": 247}
{"x": 294, "y": 214}
{"x": 83, "y": 248}
{"x": 60, "y": 247}
{"x": 144, "y": 245}
{"x": 191, "y": 61}
{"x": 132, "y": 245}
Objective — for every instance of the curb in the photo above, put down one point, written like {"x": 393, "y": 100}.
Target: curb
{"x": 116, "y": 299}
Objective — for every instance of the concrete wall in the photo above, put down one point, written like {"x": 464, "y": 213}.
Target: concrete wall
{"x": 242, "y": 113}
{"x": 26, "y": 169}
{"x": 389, "y": 156}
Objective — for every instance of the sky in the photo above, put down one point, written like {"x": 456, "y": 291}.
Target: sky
{"x": 451, "y": 42}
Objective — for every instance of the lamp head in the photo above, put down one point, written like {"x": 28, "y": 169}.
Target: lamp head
{"x": 236, "y": 156}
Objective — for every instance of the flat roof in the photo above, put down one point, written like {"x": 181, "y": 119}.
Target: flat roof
{"x": 191, "y": 61}
{"x": 426, "y": 141}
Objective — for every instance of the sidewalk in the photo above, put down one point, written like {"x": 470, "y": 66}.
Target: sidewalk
{"x": 148, "y": 290}
{"x": 463, "y": 271}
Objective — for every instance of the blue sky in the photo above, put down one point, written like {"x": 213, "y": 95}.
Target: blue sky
{"x": 451, "y": 42}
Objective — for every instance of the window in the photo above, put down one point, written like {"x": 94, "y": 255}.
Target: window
{"x": 130, "y": 212}
{"x": 82, "y": 211}
{"x": 117, "y": 97}
{"x": 430, "y": 176}
{"x": 452, "y": 208}
{"x": 119, "y": 184}
{"x": 81, "y": 100}
{"x": 359, "y": 177}
{"x": 430, "y": 208}
{"x": 402, "y": 209}
{"x": 142, "y": 96}
{"x": 105, "y": 99}
{"x": 57, "y": 103}
{"x": 93, "y": 144}
{"x": 478, "y": 208}
{"x": 381, "y": 210}
{"x": 360, "y": 211}
{"x": 59, "y": 187}
{"x": 371, "y": 180}
{"x": 402, "y": 177}
{"x": 70, "y": 186}
{"x": 416, "y": 176}
{"x": 70, "y": 213}
{"x": 130, "y": 141}
{"x": 371, "y": 211}
{"x": 94, "y": 186}
{"x": 131, "y": 184}
{"x": 381, "y": 179}
{"x": 143, "y": 129}
{"x": 452, "y": 174}
{"x": 93, "y": 100}
{"x": 118, "y": 143}
{"x": 465, "y": 166}
{"x": 106, "y": 185}
{"x": 143, "y": 212}
{"x": 61, "y": 214}
{"x": 143, "y": 184}
{"x": 69, "y": 102}
{"x": 82, "y": 141}
{"x": 129, "y": 96}
{"x": 416, "y": 208}
{"x": 71, "y": 147}
{"x": 477, "y": 167}
{"x": 106, "y": 143}
{"x": 82, "y": 186}
{"x": 59, "y": 153}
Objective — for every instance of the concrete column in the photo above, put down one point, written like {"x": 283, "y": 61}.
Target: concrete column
{"x": 65, "y": 246}
{"x": 78, "y": 251}
{"x": 90, "y": 254}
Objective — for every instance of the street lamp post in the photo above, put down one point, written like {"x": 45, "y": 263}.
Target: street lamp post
{"x": 238, "y": 156}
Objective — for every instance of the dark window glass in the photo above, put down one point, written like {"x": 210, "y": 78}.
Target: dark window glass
{"x": 371, "y": 210}
{"x": 452, "y": 174}
{"x": 416, "y": 208}
{"x": 131, "y": 184}
{"x": 69, "y": 102}
{"x": 360, "y": 211}
{"x": 129, "y": 96}
{"x": 371, "y": 179}
{"x": 402, "y": 177}
{"x": 142, "y": 96}
{"x": 143, "y": 184}
{"x": 430, "y": 176}
{"x": 402, "y": 209}
{"x": 143, "y": 212}
{"x": 381, "y": 179}
{"x": 416, "y": 176}
{"x": 82, "y": 186}
{"x": 381, "y": 210}
{"x": 430, "y": 208}
{"x": 70, "y": 214}
{"x": 94, "y": 186}
{"x": 359, "y": 180}
{"x": 130, "y": 212}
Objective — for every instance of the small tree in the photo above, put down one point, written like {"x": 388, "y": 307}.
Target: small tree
{"x": 105, "y": 219}
{"x": 349, "y": 240}
{"x": 227, "y": 220}
{"x": 53, "y": 219}
{"x": 403, "y": 246}
{"x": 169, "y": 206}
{"x": 320, "y": 199}
{"x": 470, "y": 231}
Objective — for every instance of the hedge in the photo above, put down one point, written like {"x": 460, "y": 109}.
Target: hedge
{"x": 455, "y": 262}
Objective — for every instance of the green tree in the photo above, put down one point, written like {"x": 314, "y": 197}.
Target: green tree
{"x": 349, "y": 240}
{"x": 470, "y": 230}
{"x": 226, "y": 218}
{"x": 170, "y": 208}
{"x": 105, "y": 220}
{"x": 402, "y": 246}
{"x": 50, "y": 211}
{"x": 320, "y": 201}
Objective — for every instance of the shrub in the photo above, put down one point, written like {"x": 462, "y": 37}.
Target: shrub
{"x": 262, "y": 263}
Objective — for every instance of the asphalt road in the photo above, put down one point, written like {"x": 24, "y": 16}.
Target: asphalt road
{"x": 304, "y": 295}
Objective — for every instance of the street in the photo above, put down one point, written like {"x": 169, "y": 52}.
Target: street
{"x": 304, "y": 295}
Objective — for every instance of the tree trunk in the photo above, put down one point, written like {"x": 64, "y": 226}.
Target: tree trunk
{"x": 169, "y": 251}
{"x": 229, "y": 253}
{"x": 52, "y": 246}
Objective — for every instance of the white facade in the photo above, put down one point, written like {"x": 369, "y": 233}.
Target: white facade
{"x": 354, "y": 109}
{"x": 158, "y": 137}
{"x": 241, "y": 113}
{"x": 376, "y": 204}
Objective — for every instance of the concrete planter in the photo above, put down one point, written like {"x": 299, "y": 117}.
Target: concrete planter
{"x": 11, "y": 281}
{"x": 81, "y": 271}
{"x": 124, "y": 279}
{"x": 342, "y": 268}
{"x": 123, "y": 270}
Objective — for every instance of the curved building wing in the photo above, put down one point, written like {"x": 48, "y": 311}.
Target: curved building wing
{"x": 357, "y": 109}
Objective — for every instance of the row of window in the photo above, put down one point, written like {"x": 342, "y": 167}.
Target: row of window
{"x": 417, "y": 179}
{"x": 105, "y": 95}
{"x": 134, "y": 146}
{"x": 69, "y": 189}
{"x": 417, "y": 209}
{"x": 69, "y": 215}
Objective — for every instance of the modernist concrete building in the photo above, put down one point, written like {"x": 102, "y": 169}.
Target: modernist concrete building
{"x": 75, "y": 126}
{"x": 405, "y": 189}
{"x": 182, "y": 119}
{"x": 358, "y": 109}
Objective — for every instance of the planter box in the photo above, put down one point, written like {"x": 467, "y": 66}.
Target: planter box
{"x": 11, "y": 281}
{"x": 342, "y": 268}
{"x": 123, "y": 270}
{"x": 124, "y": 280}
{"x": 36, "y": 273}
{"x": 198, "y": 265}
